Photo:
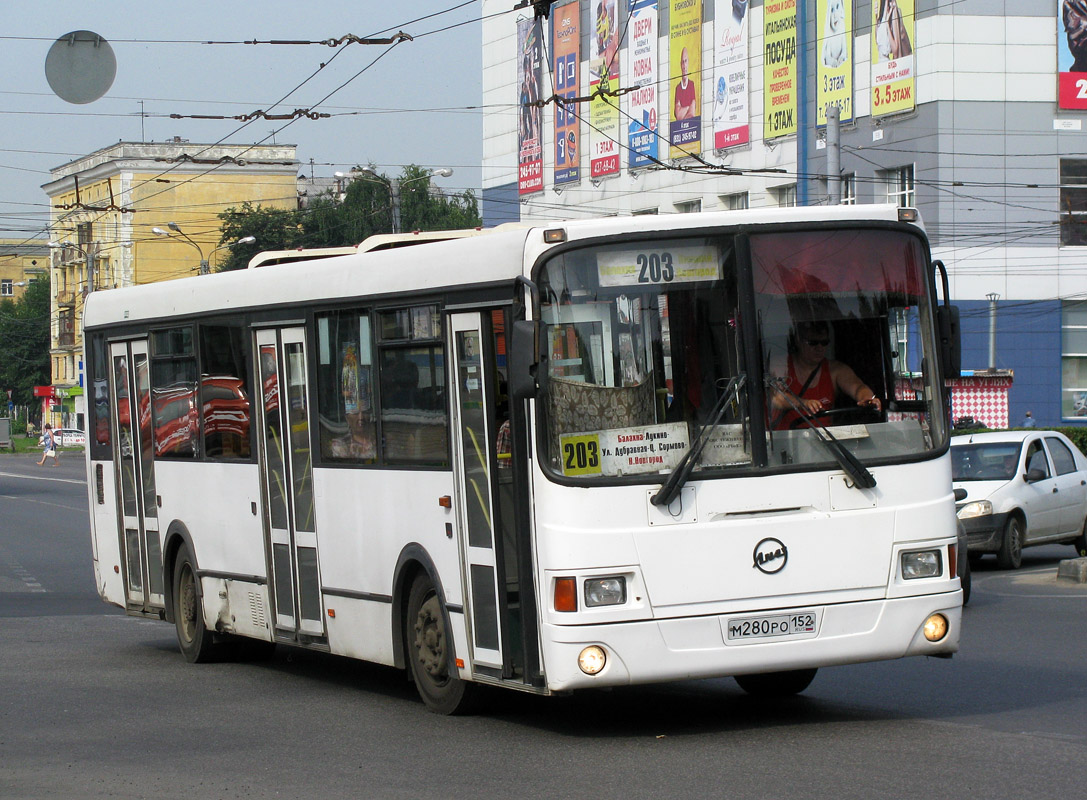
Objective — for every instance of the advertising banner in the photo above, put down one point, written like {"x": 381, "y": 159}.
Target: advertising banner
{"x": 604, "y": 76}
{"x": 641, "y": 72}
{"x": 685, "y": 78}
{"x": 779, "y": 68}
{"x": 834, "y": 50}
{"x": 566, "y": 72}
{"x": 730, "y": 49}
{"x": 529, "y": 135}
{"x": 892, "y": 56}
{"x": 1072, "y": 54}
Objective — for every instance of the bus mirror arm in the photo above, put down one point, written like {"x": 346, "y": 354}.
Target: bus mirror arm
{"x": 524, "y": 359}
{"x": 947, "y": 328}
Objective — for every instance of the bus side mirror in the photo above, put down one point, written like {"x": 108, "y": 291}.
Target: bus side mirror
{"x": 524, "y": 359}
{"x": 947, "y": 321}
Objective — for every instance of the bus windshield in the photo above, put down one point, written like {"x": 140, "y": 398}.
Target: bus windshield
{"x": 643, "y": 338}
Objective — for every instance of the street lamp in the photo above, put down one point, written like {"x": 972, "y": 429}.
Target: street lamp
{"x": 395, "y": 184}
{"x": 204, "y": 262}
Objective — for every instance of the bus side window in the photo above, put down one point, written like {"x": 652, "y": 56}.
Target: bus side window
{"x": 345, "y": 387}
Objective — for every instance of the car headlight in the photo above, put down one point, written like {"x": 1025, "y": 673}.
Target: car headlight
{"x": 605, "y": 591}
{"x": 921, "y": 564}
{"x": 978, "y": 508}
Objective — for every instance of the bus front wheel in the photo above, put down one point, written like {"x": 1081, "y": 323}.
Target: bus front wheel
{"x": 429, "y": 644}
{"x": 776, "y": 684}
{"x": 196, "y": 641}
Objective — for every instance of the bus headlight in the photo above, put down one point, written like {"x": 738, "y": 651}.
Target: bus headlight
{"x": 921, "y": 564}
{"x": 605, "y": 591}
{"x": 592, "y": 659}
{"x": 935, "y": 627}
{"x": 980, "y": 508}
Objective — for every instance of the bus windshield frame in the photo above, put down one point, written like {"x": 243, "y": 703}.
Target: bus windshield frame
{"x": 641, "y": 336}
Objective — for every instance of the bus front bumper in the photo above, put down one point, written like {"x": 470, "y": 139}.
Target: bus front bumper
{"x": 654, "y": 651}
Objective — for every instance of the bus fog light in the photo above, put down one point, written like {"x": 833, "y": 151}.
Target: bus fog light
{"x": 605, "y": 591}
{"x": 921, "y": 564}
{"x": 936, "y": 627}
{"x": 592, "y": 659}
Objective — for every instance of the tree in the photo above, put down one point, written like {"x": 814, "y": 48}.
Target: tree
{"x": 274, "y": 229}
{"x": 24, "y": 343}
{"x": 366, "y": 210}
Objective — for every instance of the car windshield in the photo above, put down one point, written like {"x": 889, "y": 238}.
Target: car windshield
{"x": 989, "y": 461}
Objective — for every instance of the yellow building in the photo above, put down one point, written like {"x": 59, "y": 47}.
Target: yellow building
{"x": 104, "y": 212}
{"x": 22, "y": 262}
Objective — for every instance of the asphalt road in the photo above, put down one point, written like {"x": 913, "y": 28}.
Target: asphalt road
{"x": 94, "y": 704}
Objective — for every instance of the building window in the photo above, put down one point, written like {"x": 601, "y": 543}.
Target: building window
{"x": 849, "y": 189}
{"x": 785, "y": 196}
{"x": 1074, "y": 359}
{"x": 643, "y": 212}
{"x": 7, "y": 288}
{"x": 689, "y": 207}
{"x": 735, "y": 202}
{"x": 900, "y": 186}
{"x": 1073, "y": 202}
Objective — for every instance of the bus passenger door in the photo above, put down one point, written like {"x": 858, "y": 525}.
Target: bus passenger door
{"x": 287, "y": 475}
{"x": 134, "y": 461}
{"x": 496, "y": 584}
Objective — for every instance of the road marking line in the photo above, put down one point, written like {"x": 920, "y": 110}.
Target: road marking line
{"x": 39, "y": 478}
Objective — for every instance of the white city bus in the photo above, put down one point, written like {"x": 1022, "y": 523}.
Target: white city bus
{"x": 547, "y": 459}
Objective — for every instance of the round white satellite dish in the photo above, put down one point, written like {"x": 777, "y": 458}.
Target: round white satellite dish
{"x": 80, "y": 67}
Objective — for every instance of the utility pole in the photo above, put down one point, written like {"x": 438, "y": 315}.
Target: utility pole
{"x": 834, "y": 156}
{"x": 90, "y": 254}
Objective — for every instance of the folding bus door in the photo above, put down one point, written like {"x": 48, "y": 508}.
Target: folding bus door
{"x": 498, "y": 594}
{"x": 287, "y": 475}
{"x": 133, "y": 457}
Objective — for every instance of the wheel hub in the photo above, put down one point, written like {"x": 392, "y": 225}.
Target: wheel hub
{"x": 430, "y": 638}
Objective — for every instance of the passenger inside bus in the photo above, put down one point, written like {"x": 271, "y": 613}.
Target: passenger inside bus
{"x": 814, "y": 380}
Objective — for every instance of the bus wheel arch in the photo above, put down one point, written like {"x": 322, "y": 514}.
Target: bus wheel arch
{"x": 177, "y": 536}
{"x": 422, "y": 635}
{"x": 197, "y": 642}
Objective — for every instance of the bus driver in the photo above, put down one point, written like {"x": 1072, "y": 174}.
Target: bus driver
{"x": 814, "y": 378}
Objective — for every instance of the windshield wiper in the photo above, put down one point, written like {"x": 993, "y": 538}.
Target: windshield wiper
{"x": 675, "y": 481}
{"x": 846, "y": 460}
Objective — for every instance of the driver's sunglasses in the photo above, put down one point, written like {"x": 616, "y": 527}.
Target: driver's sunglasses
{"x": 817, "y": 342}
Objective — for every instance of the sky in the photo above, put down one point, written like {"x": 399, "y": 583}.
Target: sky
{"x": 418, "y": 103}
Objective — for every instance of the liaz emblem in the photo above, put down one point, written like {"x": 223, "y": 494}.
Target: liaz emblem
{"x": 770, "y": 556}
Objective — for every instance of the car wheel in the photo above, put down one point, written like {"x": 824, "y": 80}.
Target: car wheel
{"x": 1010, "y": 555}
{"x": 965, "y": 579}
{"x": 1080, "y": 542}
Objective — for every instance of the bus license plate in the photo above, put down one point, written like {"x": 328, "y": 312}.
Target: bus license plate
{"x": 797, "y": 625}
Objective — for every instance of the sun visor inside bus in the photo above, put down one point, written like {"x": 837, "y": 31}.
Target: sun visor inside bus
{"x": 824, "y": 262}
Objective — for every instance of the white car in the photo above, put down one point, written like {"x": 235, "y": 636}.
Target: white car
{"x": 69, "y": 437}
{"x": 1021, "y": 488}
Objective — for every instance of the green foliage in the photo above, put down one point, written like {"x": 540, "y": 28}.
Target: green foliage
{"x": 366, "y": 210}
{"x": 274, "y": 228}
{"x": 24, "y": 343}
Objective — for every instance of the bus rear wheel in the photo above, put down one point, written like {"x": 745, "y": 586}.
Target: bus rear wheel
{"x": 429, "y": 645}
{"x": 196, "y": 641}
{"x": 776, "y": 684}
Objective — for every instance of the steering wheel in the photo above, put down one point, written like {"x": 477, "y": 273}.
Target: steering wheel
{"x": 830, "y": 413}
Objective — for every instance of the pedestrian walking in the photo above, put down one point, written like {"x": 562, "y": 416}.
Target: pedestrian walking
{"x": 1028, "y": 421}
{"x": 49, "y": 445}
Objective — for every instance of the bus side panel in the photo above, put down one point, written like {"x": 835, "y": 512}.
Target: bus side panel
{"x": 105, "y": 540}
{"x": 215, "y": 502}
{"x": 365, "y": 518}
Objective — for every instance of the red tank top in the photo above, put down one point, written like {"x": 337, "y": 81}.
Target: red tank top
{"x": 820, "y": 388}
